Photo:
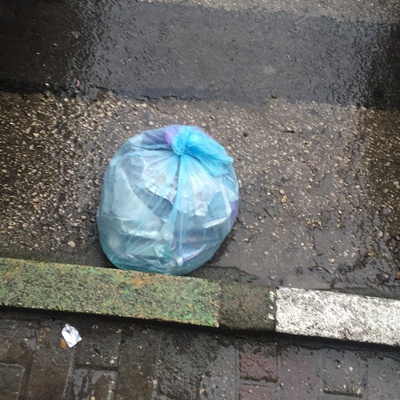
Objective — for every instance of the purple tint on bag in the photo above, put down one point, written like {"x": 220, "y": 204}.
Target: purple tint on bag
{"x": 234, "y": 207}
{"x": 170, "y": 134}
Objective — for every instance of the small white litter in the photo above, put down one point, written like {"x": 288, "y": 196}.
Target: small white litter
{"x": 71, "y": 335}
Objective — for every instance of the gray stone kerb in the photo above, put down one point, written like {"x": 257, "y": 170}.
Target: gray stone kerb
{"x": 338, "y": 316}
{"x": 201, "y": 302}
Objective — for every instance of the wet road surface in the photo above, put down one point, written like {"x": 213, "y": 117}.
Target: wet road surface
{"x": 243, "y": 54}
{"x": 305, "y": 101}
{"x": 118, "y": 359}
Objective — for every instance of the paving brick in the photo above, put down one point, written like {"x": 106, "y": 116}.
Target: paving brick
{"x": 300, "y": 373}
{"x": 11, "y": 377}
{"x": 185, "y": 356}
{"x": 138, "y": 361}
{"x": 50, "y": 365}
{"x": 173, "y": 364}
{"x": 219, "y": 380}
{"x": 17, "y": 341}
{"x": 259, "y": 364}
{"x": 344, "y": 372}
{"x": 87, "y": 384}
{"x": 383, "y": 379}
{"x": 254, "y": 392}
{"x": 100, "y": 345}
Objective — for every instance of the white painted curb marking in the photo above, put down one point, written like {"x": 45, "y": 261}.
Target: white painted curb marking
{"x": 338, "y": 316}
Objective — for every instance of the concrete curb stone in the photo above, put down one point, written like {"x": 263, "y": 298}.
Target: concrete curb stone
{"x": 130, "y": 294}
{"x": 199, "y": 302}
{"x": 338, "y": 316}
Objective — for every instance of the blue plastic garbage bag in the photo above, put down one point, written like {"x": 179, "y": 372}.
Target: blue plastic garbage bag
{"x": 169, "y": 199}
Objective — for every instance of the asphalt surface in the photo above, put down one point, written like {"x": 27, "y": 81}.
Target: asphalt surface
{"x": 242, "y": 53}
{"x": 303, "y": 97}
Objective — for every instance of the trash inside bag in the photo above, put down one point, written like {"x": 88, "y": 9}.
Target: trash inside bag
{"x": 169, "y": 199}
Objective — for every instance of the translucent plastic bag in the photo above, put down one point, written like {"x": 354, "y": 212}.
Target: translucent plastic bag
{"x": 170, "y": 197}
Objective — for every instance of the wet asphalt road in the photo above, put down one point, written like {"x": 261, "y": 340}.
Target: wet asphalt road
{"x": 305, "y": 98}
{"x": 347, "y": 54}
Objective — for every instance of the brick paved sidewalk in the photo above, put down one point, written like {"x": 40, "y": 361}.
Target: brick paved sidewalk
{"x": 118, "y": 359}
